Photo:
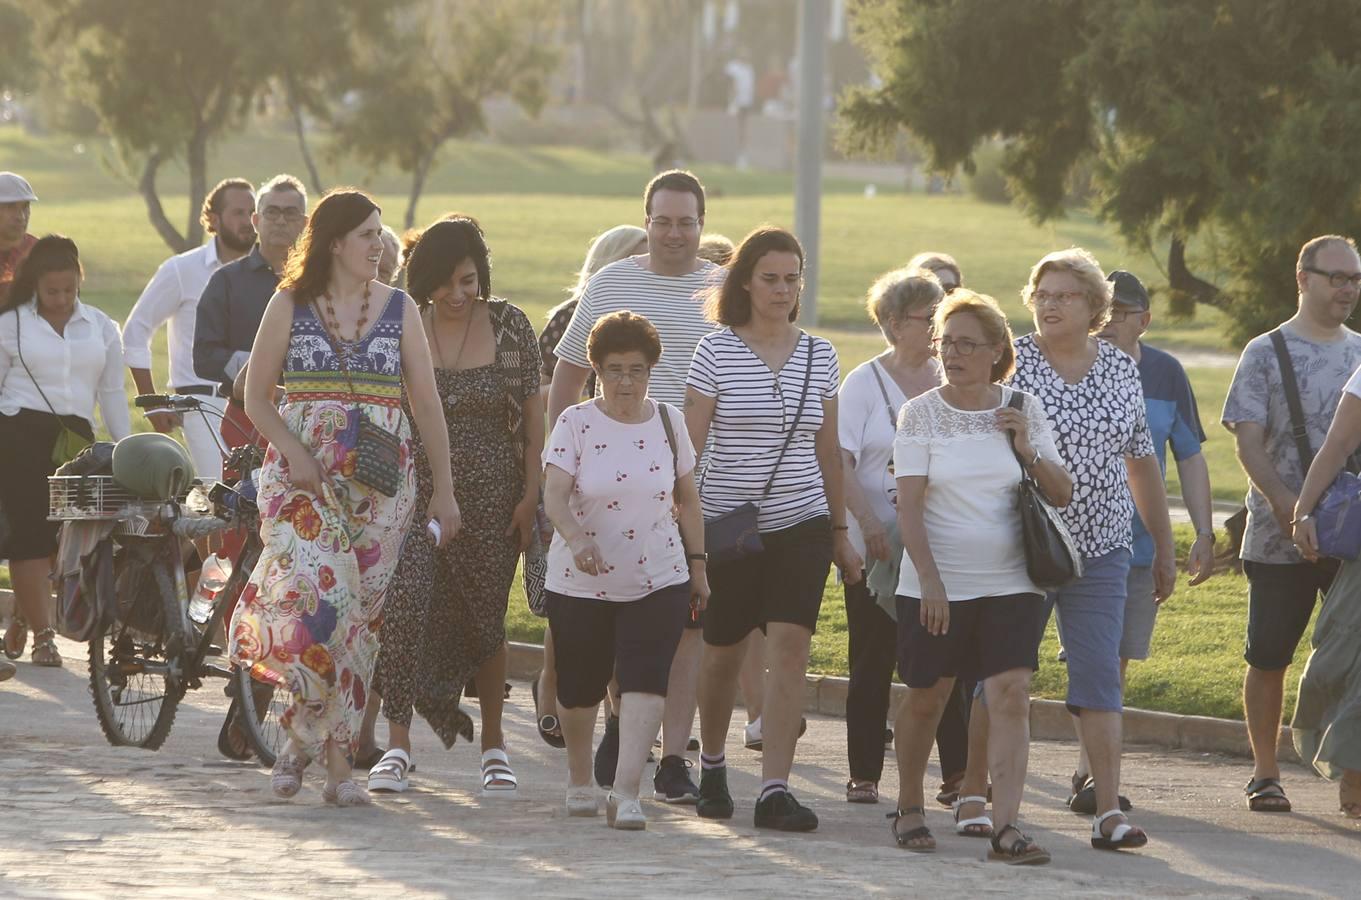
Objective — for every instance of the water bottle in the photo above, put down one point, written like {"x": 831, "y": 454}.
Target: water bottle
{"x": 211, "y": 579}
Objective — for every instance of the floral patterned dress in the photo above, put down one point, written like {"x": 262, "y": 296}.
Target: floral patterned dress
{"x": 307, "y": 618}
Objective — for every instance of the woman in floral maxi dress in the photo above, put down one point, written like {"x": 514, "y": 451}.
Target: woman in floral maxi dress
{"x": 346, "y": 347}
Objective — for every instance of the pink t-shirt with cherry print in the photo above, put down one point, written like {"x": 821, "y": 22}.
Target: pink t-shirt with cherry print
{"x": 623, "y": 499}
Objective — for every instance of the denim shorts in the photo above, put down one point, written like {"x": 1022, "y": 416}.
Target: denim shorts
{"x": 1141, "y": 613}
{"x": 1092, "y": 610}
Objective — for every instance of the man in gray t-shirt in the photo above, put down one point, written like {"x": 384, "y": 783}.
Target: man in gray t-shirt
{"x": 1283, "y": 587}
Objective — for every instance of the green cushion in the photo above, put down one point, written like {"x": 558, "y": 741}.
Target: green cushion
{"x": 152, "y": 466}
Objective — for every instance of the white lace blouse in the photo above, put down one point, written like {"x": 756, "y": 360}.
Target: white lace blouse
{"x": 972, "y": 476}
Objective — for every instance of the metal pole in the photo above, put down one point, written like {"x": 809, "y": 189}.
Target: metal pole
{"x": 813, "y": 21}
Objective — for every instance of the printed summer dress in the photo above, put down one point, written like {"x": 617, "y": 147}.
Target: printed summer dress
{"x": 306, "y": 618}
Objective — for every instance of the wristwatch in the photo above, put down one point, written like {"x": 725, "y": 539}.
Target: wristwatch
{"x": 1304, "y": 518}
{"x": 697, "y": 557}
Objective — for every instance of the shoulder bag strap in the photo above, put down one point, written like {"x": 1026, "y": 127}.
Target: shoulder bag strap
{"x": 1292, "y": 400}
{"x": 19, "y": 346}
{"x": 798, "y": 415}
{"x": 1017, "y": 402}
{"x": 670, "y": 438}
{"x": 888, "y": 404}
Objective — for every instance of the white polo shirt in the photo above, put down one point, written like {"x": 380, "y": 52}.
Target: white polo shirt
{"x": 171, "y": 296}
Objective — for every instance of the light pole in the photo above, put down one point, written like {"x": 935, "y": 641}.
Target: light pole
{"x": 813, "y": 21}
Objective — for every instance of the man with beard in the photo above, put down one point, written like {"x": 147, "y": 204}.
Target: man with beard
{"x": 172, "y": 295}
{"x": 16, "y": 199}
{"x": 236, "y": 295}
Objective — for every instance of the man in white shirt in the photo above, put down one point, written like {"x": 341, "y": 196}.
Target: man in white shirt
{"x": 172, "y": 296}
{"x": 666, "y": 285}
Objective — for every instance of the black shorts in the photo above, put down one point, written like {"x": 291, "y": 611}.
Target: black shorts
{"x": 782, "y": 583}
{"x": 986, "y": 636}
{"x": 26, "y": 442}
{"x": 1281, "y": 598}
{"x": 594, "y": 640}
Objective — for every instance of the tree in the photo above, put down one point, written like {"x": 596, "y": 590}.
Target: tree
{"x": 1234, "y": 120}
{"x": 166, "y": 80}
{"x": 18, "y": 68}
{"x": 451, "y": 56}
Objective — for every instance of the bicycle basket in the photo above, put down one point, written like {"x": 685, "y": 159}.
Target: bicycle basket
{"x": 89, "y": 497}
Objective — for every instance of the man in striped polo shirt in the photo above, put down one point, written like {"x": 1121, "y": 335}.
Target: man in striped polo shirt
{"x": 667, "y": 286}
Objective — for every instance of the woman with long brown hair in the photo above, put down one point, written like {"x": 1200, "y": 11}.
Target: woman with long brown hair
{"x": 337, "y": 489}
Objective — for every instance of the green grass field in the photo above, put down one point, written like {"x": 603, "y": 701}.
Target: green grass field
{"x": 541, "y": 206}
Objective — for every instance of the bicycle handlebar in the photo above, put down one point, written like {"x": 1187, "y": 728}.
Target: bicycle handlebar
{"x": 179, "y": 402}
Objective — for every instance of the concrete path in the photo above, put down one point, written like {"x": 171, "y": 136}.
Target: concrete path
{"x": 80, "y": 818}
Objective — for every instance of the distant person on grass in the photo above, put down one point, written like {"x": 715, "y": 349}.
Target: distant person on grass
{"x": 1172, "y": 419}
{"x": 1283, "y": 585}
{"x": 667, "y": 286}
{"x": 16, "y": 203}
{"x": 172, "y": 296}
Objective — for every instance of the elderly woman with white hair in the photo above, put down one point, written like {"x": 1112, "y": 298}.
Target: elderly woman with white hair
{"x": 901, "y": 303}
{"x": 1094, "y": 399}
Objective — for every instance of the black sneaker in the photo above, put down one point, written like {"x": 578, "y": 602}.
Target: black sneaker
{"x": 783, "y": 813}
{"x": 607, "y": 754}
{"x": 714, "y": 800}
{"x": 672, "y": 783}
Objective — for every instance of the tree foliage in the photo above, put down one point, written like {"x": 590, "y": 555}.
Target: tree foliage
{"x": 18, "y": 68}
{"x": 1235, "y": 118}
{"x": 450, "y": 57}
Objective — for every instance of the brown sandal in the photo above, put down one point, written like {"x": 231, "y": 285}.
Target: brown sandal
{"x": 17, "y": 625}
{"x": 45, "y": 649}
{"x": 862, "y": 791}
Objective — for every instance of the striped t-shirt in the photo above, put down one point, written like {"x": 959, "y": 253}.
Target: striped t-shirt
{"x": 674, "y": 304}
{"x": 754, "y": 412}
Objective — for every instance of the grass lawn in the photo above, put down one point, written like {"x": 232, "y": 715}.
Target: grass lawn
{"x": 1196, "y": 666}
{"x": 541, "y": 206}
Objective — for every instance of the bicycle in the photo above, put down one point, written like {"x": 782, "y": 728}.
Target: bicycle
{"x": 152, "y": 652}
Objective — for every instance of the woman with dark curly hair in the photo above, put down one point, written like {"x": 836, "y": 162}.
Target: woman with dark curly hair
{"x": 444, "y": 622}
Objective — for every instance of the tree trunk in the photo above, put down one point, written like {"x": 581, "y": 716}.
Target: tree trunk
{"x": 418, "y": 184}
{"x": 1187, "y": 289}
{"x": 299, "y": 128}
{"x": 197, "y": 157}
{"x": 155, "y": 212}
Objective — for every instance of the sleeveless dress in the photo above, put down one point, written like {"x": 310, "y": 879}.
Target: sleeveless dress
{"x": 446, "y": 609}
{"x": 307, "y": 618}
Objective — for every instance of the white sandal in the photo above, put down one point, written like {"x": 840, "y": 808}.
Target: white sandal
{"x": 583, "y": 801}
{"x": 978, "y": 826}
{"x": 497, "y": 777}
{"x": 1122, "y": 837}
{"x": 389, "y": 774}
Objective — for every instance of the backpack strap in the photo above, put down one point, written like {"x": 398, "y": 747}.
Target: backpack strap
{"x": 1292, "y": 400}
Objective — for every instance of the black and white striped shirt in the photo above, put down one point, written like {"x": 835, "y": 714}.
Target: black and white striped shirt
{"x": 674, "y": 304}
{"x": 755, "y": 410}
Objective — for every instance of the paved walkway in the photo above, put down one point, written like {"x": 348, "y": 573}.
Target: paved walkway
{"x": 80, "y": 818}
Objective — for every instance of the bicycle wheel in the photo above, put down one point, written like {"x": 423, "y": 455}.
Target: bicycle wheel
{"x": 262, "y": 706}
{"x": 134, "y": 663}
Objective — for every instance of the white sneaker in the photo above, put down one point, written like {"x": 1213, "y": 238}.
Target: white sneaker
{"x": 582, "y": 801}
{"x": 753, "y": 735}
{"x": 624, "y": 813}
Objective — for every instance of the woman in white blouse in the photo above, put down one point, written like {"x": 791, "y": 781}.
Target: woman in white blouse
{"x": 57, "y": 357}
{"x": 901, "y": 303}
{"x": 966, "y": 607}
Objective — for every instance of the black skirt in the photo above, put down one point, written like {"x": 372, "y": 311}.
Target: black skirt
{"x": 26, "y": 442}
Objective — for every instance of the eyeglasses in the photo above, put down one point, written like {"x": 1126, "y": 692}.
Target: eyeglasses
{"x": 928, "y": 319}
{"x": 962, "y": 346}
{"x": 664, "y": 224}
{"x": 1338, "y": 279}
{"x": 1120, "y": 315}
{"x": 634, "y": 374}
{"x": 287, "y": 214}
{"x": 1061, "y": 298}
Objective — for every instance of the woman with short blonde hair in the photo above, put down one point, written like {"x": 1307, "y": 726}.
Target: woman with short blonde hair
{"x": 1083, "y": 266}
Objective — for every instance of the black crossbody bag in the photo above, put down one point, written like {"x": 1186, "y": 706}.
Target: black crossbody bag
{"x": 736, "y": 534}
{"x": 1051, "y": 557}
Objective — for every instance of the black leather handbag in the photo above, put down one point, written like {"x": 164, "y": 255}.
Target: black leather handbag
{"x": 736, "y": 534}
{"x": 1051, "y": 557}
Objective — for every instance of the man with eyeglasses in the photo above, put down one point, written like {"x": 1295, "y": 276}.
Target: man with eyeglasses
{"x": 172, "y": 296}
{"x": 667, "y": 286}
{"x": 1284, "y": 587}
{"x": 234, "y": 301}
